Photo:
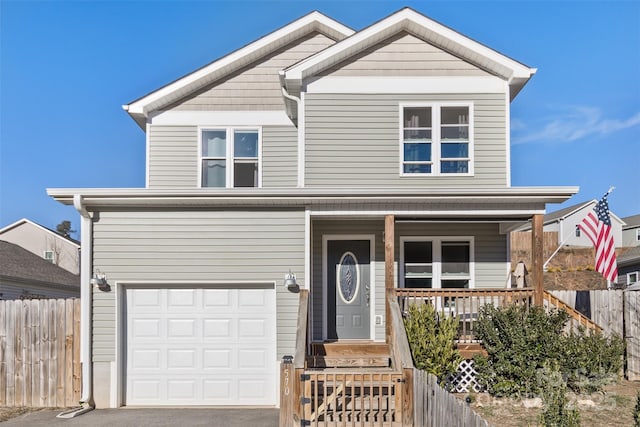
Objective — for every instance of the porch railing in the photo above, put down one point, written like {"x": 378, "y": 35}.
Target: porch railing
{"x": 465, "y": 304}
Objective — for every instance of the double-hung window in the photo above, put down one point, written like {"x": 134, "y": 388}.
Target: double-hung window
{"x": 230, "y": 157}
{"x": 436, "y": 139}
{"x": 443, "y": 262}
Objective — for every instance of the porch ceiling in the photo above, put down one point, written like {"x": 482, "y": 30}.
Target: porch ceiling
{"x": 515, "y": 201}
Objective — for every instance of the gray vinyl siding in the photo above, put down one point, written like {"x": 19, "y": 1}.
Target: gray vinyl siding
{"x": 257, "y": 86}
{"x": 15, "y": 290}
{"x": 352, "y": 140}
{"x": 174, "y": 156}
{"x": 630, "y": 237}
{"x": 490, "y": 256}
{"x": 180, "y": 246}
{"x": 404, "y": 55}
{"x": 279, "y": 156}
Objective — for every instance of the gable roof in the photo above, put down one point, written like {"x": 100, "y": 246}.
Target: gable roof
{"x": 42, "y": 227}
{"x": 17, "y": 263}
{"x": 632, "y": 221}
{"x": 429, "y": 30}
{"x": 192, "y": 82}
{"x": 630, "y": 256}
{"x": 568, "y": 211}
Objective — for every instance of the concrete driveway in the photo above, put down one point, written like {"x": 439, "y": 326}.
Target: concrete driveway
{"x": 155, "y": 417}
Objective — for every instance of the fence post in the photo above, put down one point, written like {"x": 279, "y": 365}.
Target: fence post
{"x": 286, "y": 391}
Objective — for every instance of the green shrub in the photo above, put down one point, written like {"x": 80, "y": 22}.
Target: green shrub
{"x": 636, "y": 412}
{"x": 591, "y": 361}
{"x": 555, "y": 412}
{"x": 520, "y": 341}
{"x": 432, "y": 340}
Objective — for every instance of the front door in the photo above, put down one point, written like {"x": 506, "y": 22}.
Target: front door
{"x": 348, "y": 289}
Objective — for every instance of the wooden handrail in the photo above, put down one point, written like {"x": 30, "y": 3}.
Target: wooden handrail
{"x": 300, "y": 355}
{"x": 398, "y": 339}
{"x": 575, "y": 314}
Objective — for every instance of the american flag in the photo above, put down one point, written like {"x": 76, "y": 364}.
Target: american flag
{"x": 597, "y": 227}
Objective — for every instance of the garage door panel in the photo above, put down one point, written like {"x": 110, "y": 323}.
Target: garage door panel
{"x": 185, "y": 348}
{"x": 217, "y": 298}
{"x": 217, "y": 328}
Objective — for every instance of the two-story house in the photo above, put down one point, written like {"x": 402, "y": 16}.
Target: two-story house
{"x": 353, "y": 160}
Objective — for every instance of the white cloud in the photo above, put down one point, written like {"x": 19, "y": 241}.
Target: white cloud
{"x": 571, "y": 124}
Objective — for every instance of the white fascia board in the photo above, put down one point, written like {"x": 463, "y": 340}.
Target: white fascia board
{"x": 527, "y": 198}
{"x": 408, "y": 19}
{"x": 188, "y": 83}
{"x": 220, "y": 118}
{"x": 407, "y": 85}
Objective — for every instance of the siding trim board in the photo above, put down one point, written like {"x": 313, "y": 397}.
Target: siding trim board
{"x": 407, "y": 85}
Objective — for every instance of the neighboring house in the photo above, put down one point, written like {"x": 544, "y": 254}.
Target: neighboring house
{"x": 629, "y": 266}
{"x": 631, "y": 231}
{"x": 301, "y": 152}
{"x": 24, "y": 275}
{"x": 45, "y": 243}
{"x": 565, "y": 222}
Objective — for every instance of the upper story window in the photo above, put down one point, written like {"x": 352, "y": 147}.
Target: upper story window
{"x": 436, "y": 139}
{"x": 230, "y": 157}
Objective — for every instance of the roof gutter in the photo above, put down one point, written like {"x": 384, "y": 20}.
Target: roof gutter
{"x": 86, "y": 399}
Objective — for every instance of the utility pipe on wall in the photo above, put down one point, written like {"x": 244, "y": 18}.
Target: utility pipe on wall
{"x": 86, "y": 399}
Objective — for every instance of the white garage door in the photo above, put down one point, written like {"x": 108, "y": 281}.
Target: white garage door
{"x": 201, "y": 346}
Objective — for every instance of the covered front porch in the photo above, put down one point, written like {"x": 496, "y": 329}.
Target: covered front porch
{"x": 356, "y": 259}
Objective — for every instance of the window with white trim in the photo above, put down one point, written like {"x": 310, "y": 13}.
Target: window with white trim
{"x": 50, "y": 256}
{"x": 632, "y": 278}
{"x": 436, "y": 262}
{"x": 638, "y": 234}
{"x": 230, "y": 157}
{"x": 436, "y": 139}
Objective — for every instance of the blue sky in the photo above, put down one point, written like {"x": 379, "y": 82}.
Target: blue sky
{"x": 67, "y": 67}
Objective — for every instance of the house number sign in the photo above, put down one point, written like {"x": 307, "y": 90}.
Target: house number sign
{"x": 348, "y": 277}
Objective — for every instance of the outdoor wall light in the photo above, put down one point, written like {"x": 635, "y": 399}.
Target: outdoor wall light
{"x": 290, "y": 282}
{"x": 99, "y": 280}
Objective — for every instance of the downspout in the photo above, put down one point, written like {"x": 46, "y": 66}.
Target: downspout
{"x": 301, "y": 141}
{"x": 86, "y": 399}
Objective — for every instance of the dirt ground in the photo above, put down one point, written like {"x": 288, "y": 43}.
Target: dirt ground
{"x": 8, "y": 413}
{"x": 612, "y": 408}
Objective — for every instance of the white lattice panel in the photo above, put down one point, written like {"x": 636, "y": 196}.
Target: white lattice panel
{"x": 464, "y": 380}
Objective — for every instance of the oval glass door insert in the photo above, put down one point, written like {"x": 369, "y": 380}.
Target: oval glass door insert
{"x": 348, "y": 277}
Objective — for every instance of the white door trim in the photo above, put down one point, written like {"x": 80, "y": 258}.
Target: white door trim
{"x": 117, "y": 396}
{"x": 372, "y": 301}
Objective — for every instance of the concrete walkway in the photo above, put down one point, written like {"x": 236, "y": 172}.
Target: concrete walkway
{"x": 125, "y": 417}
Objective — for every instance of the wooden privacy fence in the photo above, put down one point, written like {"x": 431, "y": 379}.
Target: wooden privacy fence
{"x": 434, "y": 406}
{"x": 40, "y": 352}
{"x": 617, "y": 312}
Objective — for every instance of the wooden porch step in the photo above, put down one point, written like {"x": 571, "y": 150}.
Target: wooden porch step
{"x": 348, "y": 362}
{"x": 468, "y": 350}
{"x": 349, "y": 354}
